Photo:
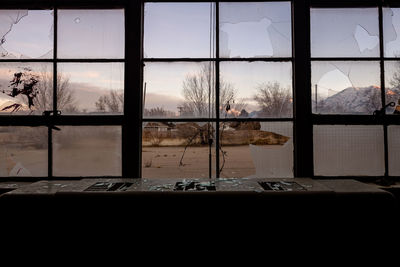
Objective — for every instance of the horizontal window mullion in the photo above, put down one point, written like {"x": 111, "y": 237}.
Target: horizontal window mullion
{"x": 345, "y": 59}
{"x": 216, "y": 59}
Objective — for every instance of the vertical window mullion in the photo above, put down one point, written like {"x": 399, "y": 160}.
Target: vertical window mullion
{"x": 383, "y": 90}
{"x": 217, "y": 61}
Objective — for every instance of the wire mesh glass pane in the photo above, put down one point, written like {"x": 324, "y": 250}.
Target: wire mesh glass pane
{"x": 353, "y": 150}
{"x": 394, "y": 150}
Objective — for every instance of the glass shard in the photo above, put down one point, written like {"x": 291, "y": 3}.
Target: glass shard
{"x": 391, "y": 31}
{"x": 256, "y": 149}
{"x": 254, "y": 29}
{"x": 344, "y": 32}
{"x": 345, "y": 87}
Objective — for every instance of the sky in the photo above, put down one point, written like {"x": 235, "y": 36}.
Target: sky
{"x": 182, "y": 30}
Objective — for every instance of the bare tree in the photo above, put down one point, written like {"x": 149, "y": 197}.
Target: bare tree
{"x": 274, "y": 100}
{"x": 111, "y": 102}
{"x": 199, "y": 94}
{"x": 158, "y": 112}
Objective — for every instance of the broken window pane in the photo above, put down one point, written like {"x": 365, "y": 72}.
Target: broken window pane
{"x": 392, "y": 84}
{"x": 256, "y": 89}
{"x": 355, "y": 150}
{"x": 178, "y": 89}
{"x": 391, "y": 31}
{"x": 91, "y": 34}
{"x": 394, "y": 149}
{"x": 91, "y": 88}
{"x": 255, "y": 29}
{"x": 26, "y": 88}
{"x": 345, "y": 87}
{"x": 177, "y": 150}
{"x": 179, "y": 30}
{"x": 256, "y": 149}
{"x": 26, "y": 34}
{"x": 23, "y": 151}
{"x": 87, "y": 151}
{"x": 344, "y": 32}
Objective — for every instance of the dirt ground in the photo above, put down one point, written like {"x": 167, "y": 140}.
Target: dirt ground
{"x": 164, "y": 162}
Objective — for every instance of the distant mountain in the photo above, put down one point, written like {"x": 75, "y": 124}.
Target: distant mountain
{"x": 353, "y": 100}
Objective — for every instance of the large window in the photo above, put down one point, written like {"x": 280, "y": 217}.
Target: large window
{"x": 61, "y": 76}
{"x": 354, "y": 90}
{"x": 217, "y": 92}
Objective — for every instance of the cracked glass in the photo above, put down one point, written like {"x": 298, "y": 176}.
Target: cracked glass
{"x": 344, "y": 32}
{"x": 391, "y": 31}
{"x": 25, "y": 88}
{"x": 254, "y": 29}
{"x": 26, "y": 34}
{"x": 255, "y": 149}
{"x": 345, "y": 87}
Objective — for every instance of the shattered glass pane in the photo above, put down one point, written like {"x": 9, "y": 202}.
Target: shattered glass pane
{"x": 87, "y": 151}
{"x": 344, "y": 32}
{"x": 256, "y": 149}
{"x": 26, "y": 34}
{"x": 179, "y": 89}
{"x": 25, "y": 88}
{"x": 391, "y": 31}
{"x": 255, "y": 29}
{"x": 91, "y": 34}
{"x": 256, "y": 89}
{"x": 91, "y": 88}
{"x": 394, "y": 150}
{"x": 345, "y": 87}
{"x": 177, "y": 150}
{"x": 179, "y": 30}
{"x": 392, "y": 86}
{"x": 23, "y": 151}
{"x": 354, "y": 150}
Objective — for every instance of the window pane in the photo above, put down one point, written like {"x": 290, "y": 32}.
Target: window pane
{"x": 345, "y": 87}
{"x": 26, "y": 34}
{"x": 394, "y": 150}
{"x": 91, "y": 88}
{"x": 179, "y": 90}
{"x": 255, "y": 29}
{"x": 87, "y": 151}
{"x": 391, "y": 31}
{"x": 178, "y": 30}
{"x": 256, "y": 89}
{"x": 177, "y": 150}
{"x": 256, "y": 149}
{"x": 354, "y": 150}
{"x": 23, "y": 151}
{"x": 25, "y": 88}
{"x": 91, "y": 34}
{"x": 344, "y": 32}
{"x": 392, "y": 84}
